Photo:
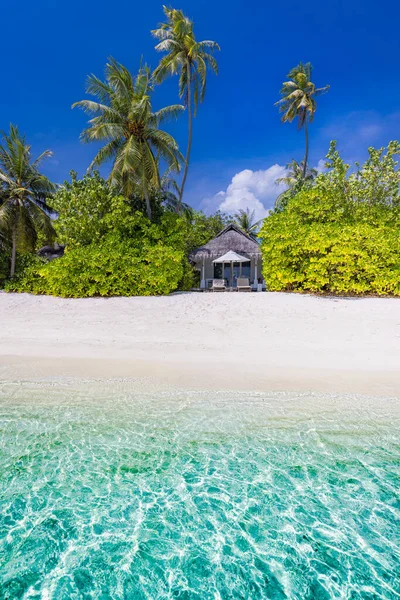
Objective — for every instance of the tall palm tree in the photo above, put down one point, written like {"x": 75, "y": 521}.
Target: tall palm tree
{"x": 188, "y": 58}
{"x": 298, "y": 100}
{"x": 24, "y": 190}
{"x": 163, "y": 198}
{"x": 245, "y": 220}
{"x": 123, "y": 117}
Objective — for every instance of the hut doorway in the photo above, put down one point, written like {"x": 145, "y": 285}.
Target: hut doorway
{"x": 238, "y": 270}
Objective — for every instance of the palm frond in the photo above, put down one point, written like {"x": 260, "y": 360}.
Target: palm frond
{"x": 127, "y": 122}
{"x": 24, "y": 191}
{"x": 298, "y": 95}
{"x": 46, "y": 154}
{"x": 106, "y": 153}
{"x": 177, "y": 39}
{"x": 167, "y": 113}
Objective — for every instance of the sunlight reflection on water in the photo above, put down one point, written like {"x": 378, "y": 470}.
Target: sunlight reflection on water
{"x": 109, "y": 493}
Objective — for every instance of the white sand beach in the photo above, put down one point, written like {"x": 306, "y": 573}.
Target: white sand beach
{"x": 252, "y": 341}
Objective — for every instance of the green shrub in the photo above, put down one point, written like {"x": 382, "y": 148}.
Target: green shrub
{"x": 82, "y": 206}
{"x": 316, "y": 245}
{"x": 27, "y": 265}
{"x": 112, "y": 248}
{"x": 342, "y": 235}
{"x": 4, "y": 266}
{"x": 113, "y": 268}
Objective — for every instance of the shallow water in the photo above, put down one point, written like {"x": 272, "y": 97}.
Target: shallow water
{"x": 109, "y": 493}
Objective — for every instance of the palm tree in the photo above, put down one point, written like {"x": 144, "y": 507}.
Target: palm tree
{"x": 298, "y": 100}
{"x": 123, "y": 117}
{"x": 294, "y": 181}
{"x": 188, "y": 58}
{"x": 245, "y": 220}
{"x": 23, "y": 211}
{"x": 170, "y": 195}
{"x": 297, "y": 174}
{"x": 163, "y": 198}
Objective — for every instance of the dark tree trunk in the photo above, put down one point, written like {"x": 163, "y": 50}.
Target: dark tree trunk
{"x": 148, "y": 205}
{"x": 306, "y": 155}
{"x": 190, "y": 128}
{"x": 13, "y": 251}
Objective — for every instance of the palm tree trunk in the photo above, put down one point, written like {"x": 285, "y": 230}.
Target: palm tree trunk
{"x": 13, "y": 251}
{"x": 190, "y": 129}
{"x": 306, "y": 155}
{"x": 148, "y": 205}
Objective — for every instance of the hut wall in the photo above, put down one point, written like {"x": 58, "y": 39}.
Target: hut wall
{"x": 209, "y": 268}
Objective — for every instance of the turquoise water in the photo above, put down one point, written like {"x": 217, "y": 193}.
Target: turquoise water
{"x": 108, "y": 493}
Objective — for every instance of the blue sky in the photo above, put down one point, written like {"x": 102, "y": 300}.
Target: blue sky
{"x": 50, "y": 46}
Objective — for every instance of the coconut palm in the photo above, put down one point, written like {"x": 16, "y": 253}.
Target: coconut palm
{"x": 123, "y": 117}
{"x": 170, "y": 196}
{"x": 298, "y": 100}
{"x": 188, "y": 58}
{"x": 24, "y": 190}
{"x": 245, "y": 220}
{"x": 164, "y": 197}
{"x": 295, "y": 180}
{"x": 296, "y": 174}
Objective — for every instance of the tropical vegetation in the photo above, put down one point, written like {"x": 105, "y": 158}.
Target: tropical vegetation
{"x": 295, "y": 180}
{"x": 342, "y": 234}
{"x": 112, "y": 248}
{"x": 335, "y": 231}
{"x": 124, "y": 119}
{"x": 298, "y": 101}
{"x": 24, "y": 191}
{"x": 189, "y": 59}
{"x": 245, "y": 219}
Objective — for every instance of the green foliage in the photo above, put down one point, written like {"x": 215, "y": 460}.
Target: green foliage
{"x": 82, "y": 206}
{"x": 23, "y": 191}
{"x": 341, "y": 236}
{"x": 296, "y": 180}
{"x": 123, "y": 118}
{"x": 298, "y": 95}
{"x": 184, "y": 55}
{"x": 5, "y": 259}
{"x": 111, "y": 250}
{"x": 245, "y": 220}
{"x": 298, "y": 101}
{"x": 112, "y": 268}
{"x": 189, "y": 59}
{"x": 26, "y": 271}
{"x": 201, "y": 228}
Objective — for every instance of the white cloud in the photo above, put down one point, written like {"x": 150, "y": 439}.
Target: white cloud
{"x": 255, "y": 190}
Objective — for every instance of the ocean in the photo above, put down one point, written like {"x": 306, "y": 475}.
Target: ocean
{"x": 115, "y": 491}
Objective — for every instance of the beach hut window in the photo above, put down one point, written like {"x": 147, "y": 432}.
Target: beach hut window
{"x": 228, "y": 272}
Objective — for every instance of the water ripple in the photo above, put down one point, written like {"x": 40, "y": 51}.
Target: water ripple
{"x": 110, "y": 494}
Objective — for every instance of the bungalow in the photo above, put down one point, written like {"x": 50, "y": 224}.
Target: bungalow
{"x": 209, "y": 259}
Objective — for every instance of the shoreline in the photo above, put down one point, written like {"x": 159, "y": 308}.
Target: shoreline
{"x": 258, "y": 342}
{"x": 189, "y": 377}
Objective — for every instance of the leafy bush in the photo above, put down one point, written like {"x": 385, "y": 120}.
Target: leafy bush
{"x": 4, "y": 266}
{"x": 112, "y": 248}
{"x": 326, "y": 257}
{"x": 113, "y": 268}
{"x": 343, "y": 235}
{"x": 82, "y": 206}
{"x": 26, "y": 263}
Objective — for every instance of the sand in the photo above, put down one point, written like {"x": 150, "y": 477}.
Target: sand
{"x": 257, "y": 341}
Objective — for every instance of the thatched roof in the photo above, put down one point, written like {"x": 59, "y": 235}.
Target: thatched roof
{"x": 230, "y": 238}
{"x": 51, "y": 252}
